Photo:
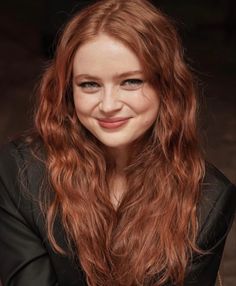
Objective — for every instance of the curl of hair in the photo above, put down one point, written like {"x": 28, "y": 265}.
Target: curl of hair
{"x": 152, "y": 234}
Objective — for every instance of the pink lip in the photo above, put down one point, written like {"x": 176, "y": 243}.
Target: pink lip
{"x": 111, "y": 123}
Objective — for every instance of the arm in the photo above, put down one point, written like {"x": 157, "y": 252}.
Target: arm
{"x": 220, "y": 214}
{"x": 23, "y": 257}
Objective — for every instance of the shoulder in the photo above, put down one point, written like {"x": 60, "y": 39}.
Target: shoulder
{"x": 216, "y": 186}
{"x": 21, "y": 177}
{"x": 18, "y": 149}
{"x": 11, "y": 162}
{"x": 216, "y": 207}
{"x": 17, "y": 156}
{"x": 217, "y": 189}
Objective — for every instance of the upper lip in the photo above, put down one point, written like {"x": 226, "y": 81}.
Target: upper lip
{"x": 113, "y": 119}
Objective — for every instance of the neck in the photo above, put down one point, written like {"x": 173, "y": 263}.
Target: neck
{"x": 120, "y": 157}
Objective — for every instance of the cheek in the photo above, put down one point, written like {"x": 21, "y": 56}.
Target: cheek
{"x": 84, "y": 104}
{"x": 148, "y": 110}
{"x": 150, "y": 117}
{"x": 146, "y": 101}
{"x": 146, "y": 106}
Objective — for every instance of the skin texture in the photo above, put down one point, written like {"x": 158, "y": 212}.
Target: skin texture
{"x": 101, "y": 91}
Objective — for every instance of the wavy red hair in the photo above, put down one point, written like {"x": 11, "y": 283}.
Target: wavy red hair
{"x": 151, "y": 236}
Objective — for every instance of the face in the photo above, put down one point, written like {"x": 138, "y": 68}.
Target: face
{"x": 112, "y": 98}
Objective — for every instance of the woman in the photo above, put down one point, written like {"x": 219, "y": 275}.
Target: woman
{"x": 112, "y": 189}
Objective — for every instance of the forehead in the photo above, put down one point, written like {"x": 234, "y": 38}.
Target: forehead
{"x": 105, "y": 53}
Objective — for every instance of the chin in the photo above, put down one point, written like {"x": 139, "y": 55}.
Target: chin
{"x": 115, "y": 143}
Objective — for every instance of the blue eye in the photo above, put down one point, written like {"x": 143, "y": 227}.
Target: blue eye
{"x": 89, "y": 86}
{"x": 132, "y": 84}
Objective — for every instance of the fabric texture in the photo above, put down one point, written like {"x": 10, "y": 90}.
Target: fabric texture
{"x": 26, "y": 257}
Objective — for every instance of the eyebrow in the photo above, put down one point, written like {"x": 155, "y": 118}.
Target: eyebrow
{"x": 122, "y": 75}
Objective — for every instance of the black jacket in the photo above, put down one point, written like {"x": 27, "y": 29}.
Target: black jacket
{"x": 26, "y": 257}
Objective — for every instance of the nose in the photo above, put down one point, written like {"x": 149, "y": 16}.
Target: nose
{"x": 110, "y": 102}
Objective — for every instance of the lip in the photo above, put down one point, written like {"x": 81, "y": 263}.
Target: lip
{"x": 111, "y": 123}
{"x": 113, "y": 119}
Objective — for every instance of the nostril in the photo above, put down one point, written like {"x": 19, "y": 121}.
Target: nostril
{"x": 110, "y": 105}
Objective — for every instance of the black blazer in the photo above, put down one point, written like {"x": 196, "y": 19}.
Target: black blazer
{"x": 26, "y": 257}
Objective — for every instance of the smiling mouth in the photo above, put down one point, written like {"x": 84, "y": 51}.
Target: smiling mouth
{"x": 112, "y": 123}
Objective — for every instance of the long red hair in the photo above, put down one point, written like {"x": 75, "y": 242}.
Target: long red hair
{"x": 151, "y": 236}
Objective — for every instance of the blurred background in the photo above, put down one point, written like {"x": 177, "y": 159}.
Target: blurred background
{"x": 208, "y": 30}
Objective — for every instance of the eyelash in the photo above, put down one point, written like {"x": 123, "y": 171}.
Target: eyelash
{"x": 133, "y": 82}
{"x": 128, "y": 84}
{"x": 88, "y": 84}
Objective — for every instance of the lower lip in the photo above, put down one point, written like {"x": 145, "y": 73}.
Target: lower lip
{"x": 112, "y": 125}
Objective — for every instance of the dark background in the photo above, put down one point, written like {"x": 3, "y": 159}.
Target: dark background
{"x": 208, "y": 30}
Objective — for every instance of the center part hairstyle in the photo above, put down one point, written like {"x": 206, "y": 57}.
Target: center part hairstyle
{"x": 151, "y": 237}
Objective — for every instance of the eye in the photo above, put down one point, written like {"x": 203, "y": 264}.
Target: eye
{"x": 89, "y": 86}
{"x": 132, "y": 84}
